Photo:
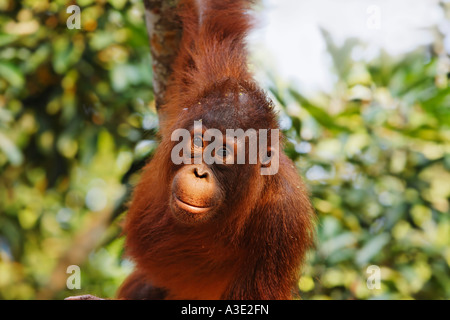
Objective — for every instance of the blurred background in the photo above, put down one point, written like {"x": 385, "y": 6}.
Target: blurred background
{"x": 362, "y": 89}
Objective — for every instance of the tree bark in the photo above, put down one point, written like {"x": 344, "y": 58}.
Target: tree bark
{"x": 164, "y": 31}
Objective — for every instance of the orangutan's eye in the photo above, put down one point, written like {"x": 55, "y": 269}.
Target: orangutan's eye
{"x": 198, "y": 141}
{"x": 223, "y": 152}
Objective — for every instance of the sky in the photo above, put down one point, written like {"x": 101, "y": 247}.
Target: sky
{"x": 289, "y": 39}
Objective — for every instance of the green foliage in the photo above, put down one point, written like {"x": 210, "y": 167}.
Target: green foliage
{"x": 76, "y": 111}
{"x": 77, "y": 118}
{"x": 375, "y": 154}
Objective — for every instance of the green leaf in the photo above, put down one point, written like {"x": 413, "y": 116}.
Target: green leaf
{"x": 6, "y": 39}
{"x": 13, "y": 154}
{"x": 320, "y": 115}
{"x": 12, "y": 74}
{"x": 372, "y": 248}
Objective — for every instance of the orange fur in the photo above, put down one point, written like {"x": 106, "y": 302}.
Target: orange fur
{"x": 255, "y": 247}
{"x": 209, "y": 53}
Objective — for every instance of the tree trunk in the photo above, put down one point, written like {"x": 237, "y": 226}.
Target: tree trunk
{"x": 164, "y": 31}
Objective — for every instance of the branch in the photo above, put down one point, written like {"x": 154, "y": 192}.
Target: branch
{"x": 164, "y": 31}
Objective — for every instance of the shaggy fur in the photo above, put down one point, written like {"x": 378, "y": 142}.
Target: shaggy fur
{"x": 255, "y": 245}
